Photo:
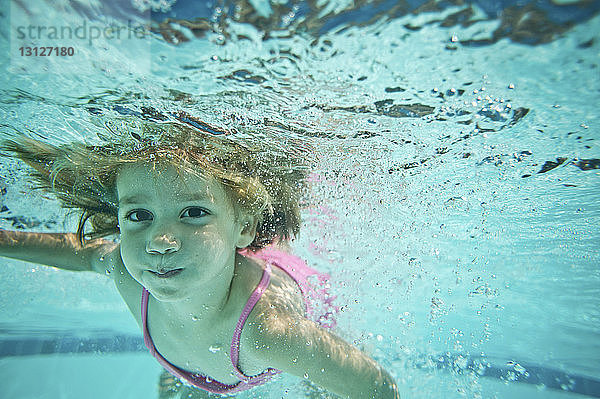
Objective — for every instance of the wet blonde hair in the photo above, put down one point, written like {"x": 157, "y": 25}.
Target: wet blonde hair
{"x": 259, "y": 183}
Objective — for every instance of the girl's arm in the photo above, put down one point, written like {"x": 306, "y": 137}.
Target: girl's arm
{"x": 59, "y": 250}
{"x": 296, "y": 345}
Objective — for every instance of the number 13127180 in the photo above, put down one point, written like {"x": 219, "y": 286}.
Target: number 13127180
{"x": 47, "y": 51}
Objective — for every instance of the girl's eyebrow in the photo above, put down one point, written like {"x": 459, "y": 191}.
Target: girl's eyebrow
{"x": 194, "y": 197}
{"x": 134, "y": 199}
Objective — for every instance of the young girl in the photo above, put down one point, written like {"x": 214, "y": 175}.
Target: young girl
{"x": 201, "y": 225}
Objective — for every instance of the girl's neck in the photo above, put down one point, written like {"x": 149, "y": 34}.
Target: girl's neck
{"x": 206, "y": 302}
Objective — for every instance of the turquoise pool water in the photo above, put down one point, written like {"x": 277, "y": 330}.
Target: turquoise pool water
{"x": 454, "y": 198}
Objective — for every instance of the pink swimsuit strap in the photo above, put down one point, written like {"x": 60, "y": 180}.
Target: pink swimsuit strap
{"x": 199, "y": 380}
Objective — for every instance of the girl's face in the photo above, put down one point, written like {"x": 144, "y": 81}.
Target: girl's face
{"x": 179, "y": 232}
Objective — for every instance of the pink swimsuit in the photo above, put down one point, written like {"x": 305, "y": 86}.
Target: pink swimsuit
{"x": 299, "y": 271}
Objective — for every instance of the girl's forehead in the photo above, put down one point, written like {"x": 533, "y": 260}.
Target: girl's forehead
{"x": 149, "y": 180}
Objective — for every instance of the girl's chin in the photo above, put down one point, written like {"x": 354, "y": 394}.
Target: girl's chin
{"x": 166, "y": 289}
{"x": 165, "y": 294}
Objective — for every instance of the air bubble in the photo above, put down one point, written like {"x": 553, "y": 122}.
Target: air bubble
{"x": 519, "y": 369}
{"x": 541, "y": 387}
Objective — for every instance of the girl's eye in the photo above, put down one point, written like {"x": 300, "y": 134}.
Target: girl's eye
{"x": 138, "y": 215}
{"x": 193, "y": 212}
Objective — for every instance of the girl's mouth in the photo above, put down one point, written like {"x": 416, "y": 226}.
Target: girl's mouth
{"x": 167, "y": 274}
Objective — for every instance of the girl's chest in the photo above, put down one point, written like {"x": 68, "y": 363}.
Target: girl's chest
{"x": 197, "y": 346}
{"x": 204, "y": 349}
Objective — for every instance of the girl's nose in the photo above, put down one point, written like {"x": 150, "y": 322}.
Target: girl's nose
{"x": 162, "y": 244}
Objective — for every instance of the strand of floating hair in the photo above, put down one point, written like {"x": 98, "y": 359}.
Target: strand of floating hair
{"x": 81, "y": 227}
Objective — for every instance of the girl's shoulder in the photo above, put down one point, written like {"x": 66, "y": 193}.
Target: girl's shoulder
{"x": 282, "y": 292}
{"x": 280, "y": 302}
{"x": 282, "y": 288}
